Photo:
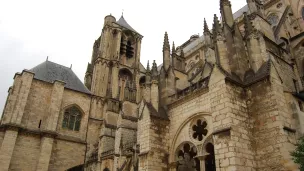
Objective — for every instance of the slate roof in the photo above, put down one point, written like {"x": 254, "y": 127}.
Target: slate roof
{"x": 122, "y": 22}
{"x": 49, "y": 72}
{"x": 241, "y": 11}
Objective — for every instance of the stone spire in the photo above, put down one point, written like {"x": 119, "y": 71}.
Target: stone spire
{"x": 173, "y": 48}
{"x": 166, "y": 45}
{"x": 148, "y": 74}
{"x": 154, "y": 70}
{"x": 206, "y": 29}
{"x": 226, "y": 12}
{"x": 216, "y": 27}
{"x": 148, "y": 67}
{"x": 166, "y": 52}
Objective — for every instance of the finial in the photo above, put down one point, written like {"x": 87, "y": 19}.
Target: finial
{"x": 71, "y": 66}
{"x": 47, "y": 58}
{"x": 122, "y": 12}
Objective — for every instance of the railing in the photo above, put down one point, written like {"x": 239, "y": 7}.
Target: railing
{"x": 194, "y": 87}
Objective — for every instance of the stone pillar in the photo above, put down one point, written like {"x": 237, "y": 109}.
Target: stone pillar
{"x": 255, "y": 58}
{"x": 7, "y": 148}
{"x": 54, "y": 108}
{"x": 115, "y": 81}
{"x": 154, "y": 94}
{"x": 22, "y": 89}
{"x": 45, "y": 153}
{"x": 100, "y": 77}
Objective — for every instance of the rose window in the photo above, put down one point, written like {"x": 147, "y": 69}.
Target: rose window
{"x": 199, "y": 130}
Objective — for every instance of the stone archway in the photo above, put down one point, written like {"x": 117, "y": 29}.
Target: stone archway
{"x": 187, "y": 161}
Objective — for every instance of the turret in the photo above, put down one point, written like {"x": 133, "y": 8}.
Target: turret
{"x": 166, "y": 53}
{"x": 226, "y": 12}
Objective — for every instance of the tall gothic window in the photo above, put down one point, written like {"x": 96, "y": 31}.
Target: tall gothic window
{"x": 72, "y": 119}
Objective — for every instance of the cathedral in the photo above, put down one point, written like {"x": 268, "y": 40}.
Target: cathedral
{"x": 229, "y": 100}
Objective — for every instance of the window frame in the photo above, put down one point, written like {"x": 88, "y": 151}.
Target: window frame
{"x": 72, "y": 121}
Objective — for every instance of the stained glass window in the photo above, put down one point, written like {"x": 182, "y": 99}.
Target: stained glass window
{"x": 72, "y": 119}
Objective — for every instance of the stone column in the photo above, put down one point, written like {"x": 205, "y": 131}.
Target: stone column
{"x": 7, "y": 147}
{"x": 45, "y": 153}
{"x": 54, "y": 108}
{"x": 22, "y": 94}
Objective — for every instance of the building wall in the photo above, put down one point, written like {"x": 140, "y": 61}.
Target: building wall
{"x": 37, "y": 105}
{"x": 81, "y": 100}
{"x": 26, "y": 152}
{"x": 66, "y": 154}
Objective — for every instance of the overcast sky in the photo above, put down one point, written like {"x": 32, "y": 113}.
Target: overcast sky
{"x": 65, "y": 30}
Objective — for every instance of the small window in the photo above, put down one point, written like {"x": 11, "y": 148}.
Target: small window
{"x": 300, "y": 105}
{"x": 72, "y": 119}
{"x": 273, "y": 19}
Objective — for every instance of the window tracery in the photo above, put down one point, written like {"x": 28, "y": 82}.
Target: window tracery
{"x": 199, "y": 130}
{"x": 72, "y": 119}
{"x": 186, "y": 158}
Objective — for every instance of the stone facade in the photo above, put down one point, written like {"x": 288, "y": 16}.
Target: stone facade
{"x": 229, "y": 100}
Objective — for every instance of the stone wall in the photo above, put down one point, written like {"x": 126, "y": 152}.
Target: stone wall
{"x": 66, "y": 154}
{"x": 37, "y": 105}
{"x": 26, "y": 152}
{"x": 82, "y": 101}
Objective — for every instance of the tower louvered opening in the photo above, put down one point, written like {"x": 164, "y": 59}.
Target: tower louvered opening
{"x": 129, "y": 50}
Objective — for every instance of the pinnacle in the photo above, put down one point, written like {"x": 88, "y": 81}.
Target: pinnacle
{"x": 173, "y": 48}
{"x": 148, "y": 66}
{"x": 248, "y": 24}
{"x": 206, "y": 29}
{"x": 166, "y": 42}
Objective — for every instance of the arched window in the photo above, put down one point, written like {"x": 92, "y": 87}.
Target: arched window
{"x": 106, "y": 169}
{"x": 186, "y": 158}
{"x": 273, "y": 19}
{"x": 72, "y": 118}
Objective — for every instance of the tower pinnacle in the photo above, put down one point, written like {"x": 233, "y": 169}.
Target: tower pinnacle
{"x": 206, "y": 29}
{"x": 173, "y": 48}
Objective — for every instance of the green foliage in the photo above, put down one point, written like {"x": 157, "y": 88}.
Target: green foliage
{"x": 298, "y": 154}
